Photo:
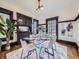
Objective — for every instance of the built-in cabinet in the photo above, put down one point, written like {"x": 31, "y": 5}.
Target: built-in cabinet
{"x": 25, "y": 26}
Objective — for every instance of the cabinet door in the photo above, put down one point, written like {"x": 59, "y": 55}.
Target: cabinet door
{"x": 24, "y": 20}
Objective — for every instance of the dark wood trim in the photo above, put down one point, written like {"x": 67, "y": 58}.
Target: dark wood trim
{"x": 53, "y": 18}
{"x": 77, "y": 18}
{"x": 70, "y": 20}
{"x": 68, "y": 43}
{"x": 3, "y": 48}
{"x": 66, "y": 21}
{"x": 22, "y": 15}
{"x": 5, "y": 11}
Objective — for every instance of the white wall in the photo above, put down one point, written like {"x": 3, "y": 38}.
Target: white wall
{"x": 71, "y": 14}
{"x": 76, "y": 32}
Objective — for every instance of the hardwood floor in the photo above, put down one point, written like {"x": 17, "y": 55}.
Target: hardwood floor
{"x": 71, "y": 52}
{"x": 3, "y": 53}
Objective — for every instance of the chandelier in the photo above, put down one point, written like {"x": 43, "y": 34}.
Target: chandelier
{"x": 40, "y": 7}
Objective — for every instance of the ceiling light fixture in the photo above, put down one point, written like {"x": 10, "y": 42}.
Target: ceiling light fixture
{"x": 40, "y": 7}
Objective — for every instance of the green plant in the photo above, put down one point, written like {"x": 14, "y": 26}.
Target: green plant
{"x": 6, "y": 28}
{"x": 41, "y": 28}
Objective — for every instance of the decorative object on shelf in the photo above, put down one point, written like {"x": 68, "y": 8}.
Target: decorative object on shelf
{"x": 40, "y": 7}
{"x": 6, "y": 28}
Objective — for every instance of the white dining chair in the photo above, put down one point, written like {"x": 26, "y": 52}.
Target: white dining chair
{"x": 50, "y": 45}
{"x": 27, "y": 49}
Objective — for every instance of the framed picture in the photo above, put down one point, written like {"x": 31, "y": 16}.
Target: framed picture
{"x": 65, "y": 30}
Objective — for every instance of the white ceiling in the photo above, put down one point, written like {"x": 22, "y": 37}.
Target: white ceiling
{"x": 50, "y": 6}
{"x": 54, "y": 5}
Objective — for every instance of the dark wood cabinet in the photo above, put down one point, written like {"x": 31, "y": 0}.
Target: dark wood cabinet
{"x": 24, "y": 20}
{"x": 24, "y": 26}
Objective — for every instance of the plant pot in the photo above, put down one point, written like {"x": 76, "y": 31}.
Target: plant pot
{"x": 8, "y": 44}
{"x": 8, "y": 47}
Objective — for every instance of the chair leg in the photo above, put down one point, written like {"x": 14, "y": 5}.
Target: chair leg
{"x": 54, "y": 45}
{"x": 29, "y": 53}
{"x": 22, "y": 54}
{"x": 53, "y": 52}
{"x": 46, "y": 50}
{"x": 36, "y": 54}
{"x": 41, "y": 51}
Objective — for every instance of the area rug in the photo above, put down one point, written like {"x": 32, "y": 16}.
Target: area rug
{"x": 60, "y": 53}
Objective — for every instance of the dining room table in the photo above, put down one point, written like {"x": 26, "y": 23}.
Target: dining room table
{"x": 40, "y": 42}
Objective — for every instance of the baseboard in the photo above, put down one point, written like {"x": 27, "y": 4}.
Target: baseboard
{"x": 68, "y": 43}
{"x": 11, "y": 44}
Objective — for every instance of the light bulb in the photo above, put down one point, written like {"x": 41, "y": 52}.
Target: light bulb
{"x": 36, "y": 11}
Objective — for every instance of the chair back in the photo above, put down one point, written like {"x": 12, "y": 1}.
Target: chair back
{"x": 23, "y": 43}
{"x": 49, "y": 43}
{"x": 52, "y": 41}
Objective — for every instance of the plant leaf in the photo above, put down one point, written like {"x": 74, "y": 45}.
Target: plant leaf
{"x": 2, "y": 32}
{"x": 2, "y": 20}
{"x": 1, "y": 28}
{"x": 8, "y": 23}
{"x": 1, "y": 24}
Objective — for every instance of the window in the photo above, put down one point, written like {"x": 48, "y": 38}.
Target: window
{"x": 6, "y": 14}
{"x": 51, "y": 26}
{"x": 34, "y": 26}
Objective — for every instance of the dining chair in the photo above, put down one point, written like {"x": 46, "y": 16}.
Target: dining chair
{"x": 50, "y": 44}
{"x": 27, "y": 49}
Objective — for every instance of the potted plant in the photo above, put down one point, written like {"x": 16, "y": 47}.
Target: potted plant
{"x": 6, "y": 28}
{"x": 41, "y": 29}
